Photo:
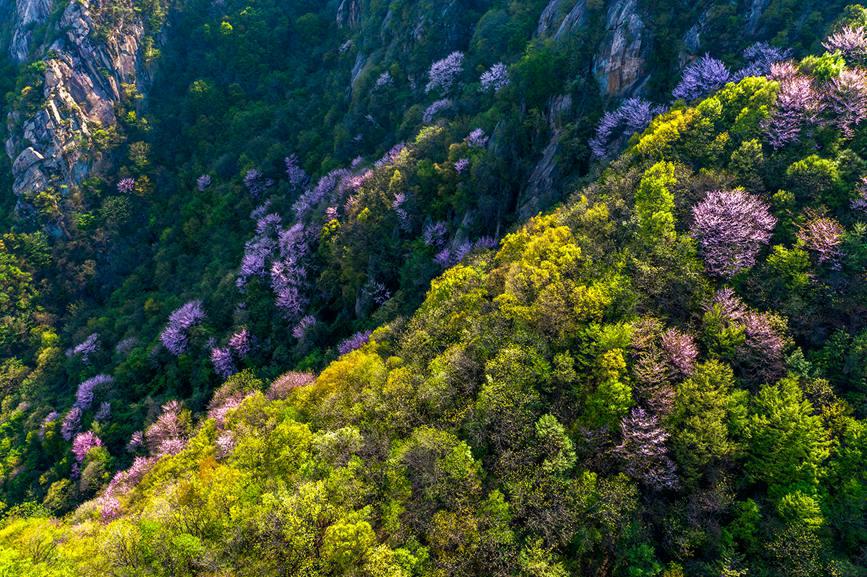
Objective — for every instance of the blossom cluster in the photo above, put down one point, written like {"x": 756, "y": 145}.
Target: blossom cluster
{"x": 83, "y": 443}
{"x": 85, "y": 348}
{"x": 443, "y": 73}
{"x": 495, "y": 78}
{"x": 86, "y": 390}
{"x": 175, "y": 336}
{"x": 354, "y": 342}
{"x": 731, "y": 227}
{"x": 633, "y": 115}
{"x": 702, "y": 77}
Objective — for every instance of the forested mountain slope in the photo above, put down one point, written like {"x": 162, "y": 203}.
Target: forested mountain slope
{"x": 663, "y": 375}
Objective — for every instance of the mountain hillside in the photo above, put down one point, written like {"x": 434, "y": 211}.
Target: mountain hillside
{"x": 434, "y": 288}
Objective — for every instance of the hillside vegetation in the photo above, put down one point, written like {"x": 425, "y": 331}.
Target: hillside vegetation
{"x": 666, "y": 375}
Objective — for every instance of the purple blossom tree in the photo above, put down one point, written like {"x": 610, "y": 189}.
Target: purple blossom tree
{"x": 443, "y": 73}
{"x": 644, "y": 451}
{"x": 136, "y": 441}
{"x": 798, "y": 105}
{"x": 851, "y": 41}
{"x": 633, "y": 115}
{"x": 221, "y": 358}
{"x": 174, "y": 337}
{"x": 847, "y": 100}
{"x": 354, "y": 342}
{"x": 391, "y": 156}
{"x": 681, "y": 351}
{"x": 225, "y": 444}
{"x": 860, "y": 203}
{"x": 125, "y": 345}
{"x": 85, "y": 348}
{"x": 384, "y": 80}
{"x": 434, "y": 234}
{"x": 83, "y": 443}
{"x": 109, "y": 508}
{"x": 729, "y": 305}
{"x": 301, "y": 328}
{"x": 256, "y": 183}
{"x": 485, "y": 243}
{"x": 268, "y": 223}
{"x": 477, "y": 138}
{"x": 823, "y": 236}
{"x": 203, "y": 182}
{"x": 126, "y": 185}
{"x": 495, "y": 78}
{"x": 702, "y": 77}
{"x": 435, "y": 109}
{"x": 288, "y": 382}
{"x": 103, "y": 414}
{"x": 257, "y": 252}
{"x": 86, "y": 390}
{"x": 731, "y": 226}
{"x": 298, "y": 178}
{"x": 49, "y": 418}
{"x": 461, "y": 165}
{"x": 760, "y": 57}
{"x": 167, "y": 435}
{"x": 241, "y": 343}
{"x": 402, "y": 215}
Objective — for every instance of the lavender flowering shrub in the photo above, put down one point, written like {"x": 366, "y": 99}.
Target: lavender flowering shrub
{"x": 731, "y": 226}
{"x": 798, "y": 106}
{"x": 174, "y": 337}
{"x": 633, "y": 115}
{"x": 443, "y": 73}
{"x": 760, "y": 57}
{"x": 299, "y": 331}
{"x": 477, "y": 138}
{"x": 851, "y": 41}
{"x": 241, "y": 343}
{"x": 86, "y": 390}
{"x": 847, "y": 100}
{"x": 354, "y": 342}
{"x": 203, "y": 182}
{"x": 298, "y": 178}
{"x": 702, "y": 77}
{"x": 495, "y": 78}
{"x": 85, "y": 348}
{"x": 126, "y": 185}
{"x": 823, "y": 237}
{"x": 435, "y": 109}
{"x": 71, "y": 423}
{"x": 83, "y": 443}
{"x": 644, "y": 451}
{"x": 223, "y": 363}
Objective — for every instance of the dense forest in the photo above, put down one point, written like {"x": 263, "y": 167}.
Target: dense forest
{"x": 410, "y": 288}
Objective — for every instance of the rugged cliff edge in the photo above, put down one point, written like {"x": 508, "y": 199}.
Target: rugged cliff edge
{"x": 86, "y": 61}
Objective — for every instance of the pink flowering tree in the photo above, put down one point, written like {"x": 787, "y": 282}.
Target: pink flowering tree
{"x": 731, "y": 226}
{"x": 850, "y": 41}
{"x": 823, "y": 237}
{"x": 83, "y": 443}
{"x": 644, "y": 451}
{"x": 798, "y": 105}
{"x": 847, "y": 100}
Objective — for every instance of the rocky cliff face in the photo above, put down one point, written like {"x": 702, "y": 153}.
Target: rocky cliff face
{"x": 88, "y": 61}
{"x": 26, "y": 15}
